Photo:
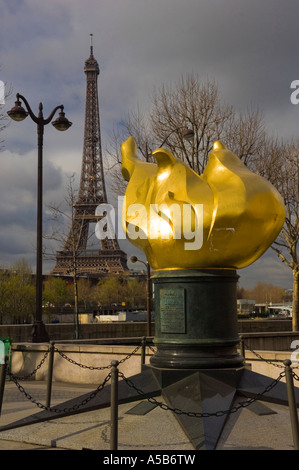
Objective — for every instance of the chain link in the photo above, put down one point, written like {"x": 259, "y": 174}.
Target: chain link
{"x": 263, "y": 359}
{"x": 296, "y": 377}
{"x": 154, "y": 350}
{"x": 26, "y": 377}
{"x": 84, "y": 366}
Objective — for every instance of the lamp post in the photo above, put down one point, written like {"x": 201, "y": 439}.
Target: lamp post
{"x": 134, "y": 259}
{"x": 18, "y": 113}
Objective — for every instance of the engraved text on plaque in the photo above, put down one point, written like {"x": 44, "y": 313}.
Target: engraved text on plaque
{"x": 172, "y": 310}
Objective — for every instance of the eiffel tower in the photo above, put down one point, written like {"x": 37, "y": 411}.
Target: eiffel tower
{"x": 108, "y": 257}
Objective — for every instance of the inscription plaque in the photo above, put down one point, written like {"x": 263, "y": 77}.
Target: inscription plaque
{"x": 172, "y": 310}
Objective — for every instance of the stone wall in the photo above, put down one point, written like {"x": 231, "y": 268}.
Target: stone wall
{"x": 96, "y": 359}
{"x": 258, "y": 326}
{"x": 265, "y": 341}
{"x": 75, "y": 363}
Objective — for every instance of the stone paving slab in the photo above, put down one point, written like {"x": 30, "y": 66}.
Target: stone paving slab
{"x": 91, "y": 430}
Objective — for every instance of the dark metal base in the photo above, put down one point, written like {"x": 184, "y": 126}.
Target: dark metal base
{"x": 196, "y": 358}
{"x": 196, "y": 319}
{"x": 201, "y": 391}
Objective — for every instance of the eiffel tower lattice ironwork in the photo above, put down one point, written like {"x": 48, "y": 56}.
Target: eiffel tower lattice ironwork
{"x": 108, "y": 258}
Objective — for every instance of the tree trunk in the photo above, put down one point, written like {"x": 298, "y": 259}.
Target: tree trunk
{"x": 295, "y": 321}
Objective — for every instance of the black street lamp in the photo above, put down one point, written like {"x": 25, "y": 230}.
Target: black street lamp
{"x": 134, "y": 259}
{"x": 18, "y": 113}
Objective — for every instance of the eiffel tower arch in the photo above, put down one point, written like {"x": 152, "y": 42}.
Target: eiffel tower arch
{"x": 107, "y": 257}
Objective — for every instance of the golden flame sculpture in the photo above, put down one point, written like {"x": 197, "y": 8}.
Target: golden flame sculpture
{"x": 227, "y": 217}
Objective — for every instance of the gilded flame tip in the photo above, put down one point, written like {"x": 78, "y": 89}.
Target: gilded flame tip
{"x": 218, "y": 145}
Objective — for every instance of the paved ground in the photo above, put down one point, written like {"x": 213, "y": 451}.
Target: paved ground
{"x": 158, "y": 430}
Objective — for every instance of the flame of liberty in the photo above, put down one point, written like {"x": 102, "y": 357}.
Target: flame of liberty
{"x": 227, "y": 217}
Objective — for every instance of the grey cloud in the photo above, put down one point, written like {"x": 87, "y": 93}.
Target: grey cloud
{"x": 269, "y": 268}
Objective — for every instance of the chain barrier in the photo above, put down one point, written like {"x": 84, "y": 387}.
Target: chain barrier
{"x": 263, "y": 359}
{"x": 152, "y": 400}
{"x": 115, "y": 374}
{"x": 16, "y": 379}
{"x": 58, "y": 410}
{"x": 72, "y": 361}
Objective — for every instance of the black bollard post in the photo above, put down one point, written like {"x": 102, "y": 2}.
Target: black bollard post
{"x": 242, "y": 347}
{"x": 292, "y": 403}
{"x": 50, "y": 374}
{"x": 2, "y": 382}
{"x": 114, "y": 406}
{"x": 143, "y": 346}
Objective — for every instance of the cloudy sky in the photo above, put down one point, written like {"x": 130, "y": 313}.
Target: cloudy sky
{"x": 249, "y": 46}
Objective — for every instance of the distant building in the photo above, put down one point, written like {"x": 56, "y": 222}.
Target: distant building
{"x": 274, "y": 310}
{"x": 245, "y": 306}
{"x": 280, "y": 310}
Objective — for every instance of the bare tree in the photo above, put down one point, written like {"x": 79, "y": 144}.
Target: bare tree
{"x": 60, "y": 217}
{"x": 245, "y": 135}
{"x": 189, "y": 104}
{"x": 264, "y": 292}
{"x": 280, "y": 165}
{"x": 136, "y": 124}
